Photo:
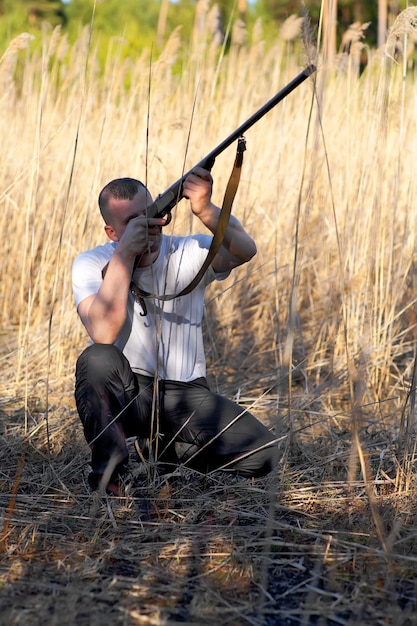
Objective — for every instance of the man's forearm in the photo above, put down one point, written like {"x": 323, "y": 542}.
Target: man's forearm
{"x": 236, "y": 240}
{"x": 106, "y": 312}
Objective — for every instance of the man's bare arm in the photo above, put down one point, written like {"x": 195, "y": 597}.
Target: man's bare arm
{"x": 238, "y": 247}
{"x": 104, "y": 313}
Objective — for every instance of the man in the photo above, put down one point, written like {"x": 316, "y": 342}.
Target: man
{"x": 144, "y": 373}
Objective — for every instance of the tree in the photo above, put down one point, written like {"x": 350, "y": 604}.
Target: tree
{"x": 329, "y": 29}
{"x": 380, "y": 14}
{"x": 382, "y": 21}
{"x": 28, "y": 15}
{"x": 52, "y": 11}
{"x": 162, "y": 20}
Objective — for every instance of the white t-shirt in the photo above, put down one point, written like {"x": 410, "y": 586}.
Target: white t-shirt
{"x": 169, "y": 339}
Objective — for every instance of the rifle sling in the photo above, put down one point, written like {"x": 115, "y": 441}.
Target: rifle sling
{"x": 218, "y": 236}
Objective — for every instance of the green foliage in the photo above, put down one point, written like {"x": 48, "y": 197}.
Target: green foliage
{"x": 19, "y": 16}
{"x": 133, "y": 24}
{"x": 133, "y": 20}
{"x": 274, "y": 12}
{"x": 181, "y": 14}
{"x": 29, "y": 15}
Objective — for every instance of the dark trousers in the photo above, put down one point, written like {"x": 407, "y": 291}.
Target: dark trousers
{"x": 115, "y": 403}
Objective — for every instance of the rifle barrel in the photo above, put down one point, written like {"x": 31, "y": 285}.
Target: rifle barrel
{"x": 168, "y": 199}
{"x": 283, "y": 93}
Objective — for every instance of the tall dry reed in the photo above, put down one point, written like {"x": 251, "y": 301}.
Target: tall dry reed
{"x": 355, "y": 239}
{"x": 317, "y": 334}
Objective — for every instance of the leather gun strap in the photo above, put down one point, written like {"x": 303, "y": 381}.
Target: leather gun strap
{"x": 224, "y": 217}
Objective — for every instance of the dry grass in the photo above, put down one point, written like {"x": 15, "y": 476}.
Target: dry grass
{"x": 317, "y": 335}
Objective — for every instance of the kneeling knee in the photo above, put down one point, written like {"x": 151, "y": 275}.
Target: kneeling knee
{"x": 101, "y": 360}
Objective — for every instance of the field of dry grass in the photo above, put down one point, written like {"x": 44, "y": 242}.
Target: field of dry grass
{"x": 317, "y": 335}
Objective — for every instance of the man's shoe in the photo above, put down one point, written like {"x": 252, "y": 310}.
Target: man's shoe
{"x": 142, "y": 449}
{"x": 167, "y": 461}
{"x": 113, "y": 488}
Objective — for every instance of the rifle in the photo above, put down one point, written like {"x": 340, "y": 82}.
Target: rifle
{"x": 167, "y": 200}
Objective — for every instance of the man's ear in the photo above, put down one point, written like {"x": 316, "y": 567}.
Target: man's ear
{"x": 110, "y": 233}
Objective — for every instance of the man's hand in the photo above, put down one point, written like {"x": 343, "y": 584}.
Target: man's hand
{"x": 141, "y": 236}
{"x": 237, "y": 246}
{"x": 198, "y": 188}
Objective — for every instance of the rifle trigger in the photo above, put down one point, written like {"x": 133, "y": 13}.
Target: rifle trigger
{"x": 168, "y": 216}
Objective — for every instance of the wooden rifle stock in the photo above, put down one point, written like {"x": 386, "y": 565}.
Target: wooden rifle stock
{"x": 167, "y": 200}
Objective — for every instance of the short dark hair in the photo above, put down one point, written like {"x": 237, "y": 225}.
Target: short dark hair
{"x": 119, "y": 188}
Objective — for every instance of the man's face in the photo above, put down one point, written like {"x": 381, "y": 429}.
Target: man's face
{"x": 122, "y": 212}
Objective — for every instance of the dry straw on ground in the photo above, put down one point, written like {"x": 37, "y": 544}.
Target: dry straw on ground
{"x": 317, "y": 335}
